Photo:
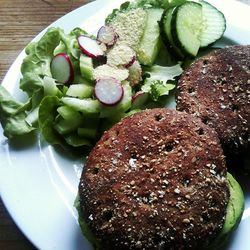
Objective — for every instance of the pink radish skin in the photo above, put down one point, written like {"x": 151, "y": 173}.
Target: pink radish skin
{"x": 90, "y": 47}
{"x": 130, "y": 63}
{"x": 138, "y": 99}
{"x": 107, "y": 35}
{"x": 62, "y": 68}
{"x": 109, "y": 91}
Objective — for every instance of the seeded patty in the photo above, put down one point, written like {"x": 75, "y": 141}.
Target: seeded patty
{"x": 216, "y": 88}
{"x": 156, "y": 180}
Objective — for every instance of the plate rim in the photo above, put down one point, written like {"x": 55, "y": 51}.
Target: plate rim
{"x": 17, "y": 63}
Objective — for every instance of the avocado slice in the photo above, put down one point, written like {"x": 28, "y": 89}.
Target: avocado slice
{"x": 234, "y": 213}
{"x": 84, "y": 226}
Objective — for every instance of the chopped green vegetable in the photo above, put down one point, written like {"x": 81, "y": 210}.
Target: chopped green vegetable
{"x": 89, "y": 106}
{"x": 80, "y": 90}
{"x": 64, "y": 127}
{"x": 150, "y": 43}
{"x": 75, "y": 141}
{"x": 158, "y": 88}
{"x": 47, "y": 114}
{"x": 68, "y": 121}
{"x": 87, "y": 67}
{"x": 87, "y": 132}
{"x": 160, "y": 80}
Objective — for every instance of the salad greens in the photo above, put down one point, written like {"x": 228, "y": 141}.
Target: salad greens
{"x": 145, "y": 4}
{"x": 46, "y": 96}
{"x": 47, "y": 113}
{"x": 12, "y": 115}
{"x": 70, "y": 113}
{"x": 160, "y": 80}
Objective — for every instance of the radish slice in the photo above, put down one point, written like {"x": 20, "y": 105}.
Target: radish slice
{"x": 109, "y": 91}
{"x": 107, "y": 35}
{"x": 139, "y": 99}
{"x": 62, "y": 69}
{"x": 89, "y": 46}
{"x": 130, "y": 63}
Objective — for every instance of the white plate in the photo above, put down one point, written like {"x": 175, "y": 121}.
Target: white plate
{"x": 39, "y": 183}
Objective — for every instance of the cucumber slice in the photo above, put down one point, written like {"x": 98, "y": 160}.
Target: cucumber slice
{"x": 186, "y": 27}
{"x": 63, "y": 126}
{"x": 76, "y": 141}
{"x": 214, "y": 24}
{"x": 68, "y": 113}
{"x": 87, "y": 132}
{"x": 80, "y": 90}
{"x": 167, "y": 33}
{"x": 150, "y": 43}
{"x": 86, "y": 67}
{"x": 87, "y": 106}
{"x": 89, "y": 127}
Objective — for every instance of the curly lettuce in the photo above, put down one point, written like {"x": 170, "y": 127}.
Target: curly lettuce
{"x": 160, "y": 80}
{"x": 12, "y": 115}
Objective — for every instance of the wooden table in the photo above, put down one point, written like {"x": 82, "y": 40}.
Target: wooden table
{"x": 20, "y": 21}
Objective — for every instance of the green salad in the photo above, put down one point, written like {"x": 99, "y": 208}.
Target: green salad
{"x": 80, "y": 84}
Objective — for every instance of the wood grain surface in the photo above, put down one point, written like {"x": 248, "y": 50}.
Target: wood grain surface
{"x": 20, "y": 21}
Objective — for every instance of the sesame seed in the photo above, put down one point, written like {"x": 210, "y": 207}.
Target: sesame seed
{"x": 165, "y": 182}
{"x": 91, "y": 217}
{"x": 177, "y": 190}
{"x": 132, "y": 163}
{"x": 212, "y": 171}
{"x": 132, "y": 183}
{"x": 186, "y": 221}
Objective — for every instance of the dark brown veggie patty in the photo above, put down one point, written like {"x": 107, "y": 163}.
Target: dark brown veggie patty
{"x": 156, "y": 180}
{"x": 216, "y": 88}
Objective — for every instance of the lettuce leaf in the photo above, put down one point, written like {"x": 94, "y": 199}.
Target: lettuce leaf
{"x": 47, "y": 114}
{"x": 160, "y": 80}
{"x": 125, "y": 6}
{"x": 36, "y": 64}
{"x": 21, "y": 118}
{"x": 158, "y": 88}
{"x": 150, "y": 4}
{"x": 12, "y": 115}
{"x": 145, "y": 4}
{"x": 156, "y": 3}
